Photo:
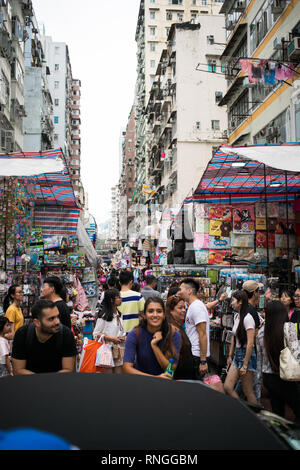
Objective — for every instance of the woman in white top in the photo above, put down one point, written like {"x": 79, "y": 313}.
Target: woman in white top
{"x": 242, "y": 358}
{"x": 270, "y": 342}
{"x": 110, "y": 327}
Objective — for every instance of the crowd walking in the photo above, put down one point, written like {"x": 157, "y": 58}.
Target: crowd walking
{"x": 143, "y": 332}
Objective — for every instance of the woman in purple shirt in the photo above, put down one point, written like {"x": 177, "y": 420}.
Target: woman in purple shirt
{"x": 149, "y": 347}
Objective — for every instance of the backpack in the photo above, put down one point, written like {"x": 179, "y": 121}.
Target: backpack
{"x": 30, "y": 336}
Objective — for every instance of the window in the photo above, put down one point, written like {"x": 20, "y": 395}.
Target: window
{"x": 203, "y": 2}
{"x": 56, "y": 119}
{"x": 212, "y": 66}
{"x": 175, "y": 2}
{"x": 56, "y": 102}
{"x": 152, "y": 1}
{"x": 152, "y": 15}
{"x": 56, "y": 85}
{"x": 17, "y": 72}
{"x": 57, "y": 49}
{"x": 198, "y": 125}
{"x": 56, "y": 67}
{"x": 215, "y": 125}
{"x": 169, "y": 15}
{"x": 55, "y": 136}
{"x": 152, "y": 31}
{"x": 180, "y": 16}
{"x": 194, "y": 2}
{"x": 152, "y": 63}
{"x": 152, "y": 46}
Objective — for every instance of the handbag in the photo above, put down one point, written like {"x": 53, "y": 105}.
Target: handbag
{"x": 289, "y": 367}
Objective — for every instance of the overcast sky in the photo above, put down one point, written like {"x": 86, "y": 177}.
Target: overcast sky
{"x": 100, "y": 35}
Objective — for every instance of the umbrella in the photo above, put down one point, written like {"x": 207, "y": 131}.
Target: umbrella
{"x": 126, "y": 412}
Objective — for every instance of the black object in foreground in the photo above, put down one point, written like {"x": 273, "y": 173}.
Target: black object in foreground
{"x": 126, "y": 412}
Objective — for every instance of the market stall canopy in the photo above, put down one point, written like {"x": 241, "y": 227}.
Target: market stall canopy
{"x": 284, "y": 157}
{"x": 51, "y": 178}
{"x": 252, "y": 171}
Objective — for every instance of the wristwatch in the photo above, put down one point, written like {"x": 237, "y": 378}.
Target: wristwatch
{"x": 203, "y": 363}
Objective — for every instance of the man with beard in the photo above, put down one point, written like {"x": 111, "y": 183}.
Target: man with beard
{"x": 45, "y": 345}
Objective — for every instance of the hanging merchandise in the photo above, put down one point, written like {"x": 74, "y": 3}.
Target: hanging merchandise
{"x": 201, "y": 240}
{"x": 243, "y": 219}
{"x": 16, "y": 216}
{"x": 219, "y": 242}
{"x": 220, "y": 212}
{"x": 82, "y": 303}
{"x": 218, "y": 257}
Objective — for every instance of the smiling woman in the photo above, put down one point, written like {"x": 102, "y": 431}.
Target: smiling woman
{"x": 149, "y": 347}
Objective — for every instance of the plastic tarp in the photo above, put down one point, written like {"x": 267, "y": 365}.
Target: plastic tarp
{"x": 19, "y": 166}
{"x": 284, "y": 157}
{"x": 86, "y": 244}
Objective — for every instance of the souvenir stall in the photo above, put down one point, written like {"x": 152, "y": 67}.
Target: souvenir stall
{"x": 19, "y": 250}
{"x": 246, "y": 224}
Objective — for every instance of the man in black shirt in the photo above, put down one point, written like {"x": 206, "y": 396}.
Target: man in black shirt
{"x": 44, "y": 345}
{"x": 51, "y": 290}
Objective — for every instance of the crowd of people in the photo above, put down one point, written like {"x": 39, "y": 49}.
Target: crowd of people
{"x": 146, "y": 329}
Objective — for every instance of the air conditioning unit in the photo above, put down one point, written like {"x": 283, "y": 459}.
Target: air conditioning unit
{"x": 277, "y": 6}
{"x": 219, "y": 96}
{"x": 277, "y": 43}
{"x": 224, "y": 134}
{"x": 294, "y": 49}
{"x": 240, "y": 6}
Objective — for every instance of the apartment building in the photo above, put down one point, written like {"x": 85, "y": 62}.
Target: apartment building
{"x": 186, "y": 123}
{"x": 38, "y": 122}
{"x": 127, "y": 176}
{"x": 14, "y": 15}
{"x": 115, "y": 214}
{"x": 153, "y": 26}
{"x": 66, "y": 94}
{"x": 262, "y": 32}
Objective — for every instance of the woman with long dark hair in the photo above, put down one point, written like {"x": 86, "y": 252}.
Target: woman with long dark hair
{"x": 12, "y": 306}
{"x": 242, "y": 357}
{"x": 287, "y": 299}
{"x": 151, "y": 345}
{"x": 270, "y": 342}
{"x": 176, "y": 313}
{"x": 110, "y": 327}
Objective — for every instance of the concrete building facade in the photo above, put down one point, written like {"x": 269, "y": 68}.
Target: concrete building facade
{"x": 14, "y": 15}
{"x": 183, "y": 114}
{"x": 267, "y": 30}
{"x": 154, "y": 22}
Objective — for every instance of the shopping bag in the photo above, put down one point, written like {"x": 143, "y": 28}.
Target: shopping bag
{"x": 88, "y": 357}
{"x": 215, "y": 383}
{"x": 104, "y": 356}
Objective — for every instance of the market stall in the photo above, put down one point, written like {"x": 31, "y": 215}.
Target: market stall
{"x": 39, "y": 232}
{"x": 245, "y": 221}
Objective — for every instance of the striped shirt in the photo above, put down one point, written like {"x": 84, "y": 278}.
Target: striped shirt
{"x": 132, "y": 304}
